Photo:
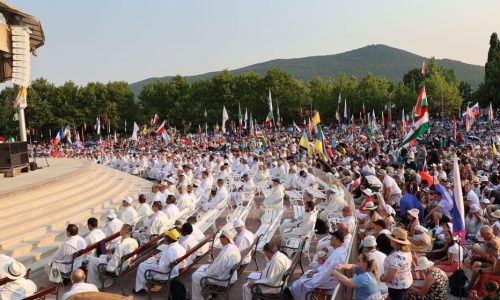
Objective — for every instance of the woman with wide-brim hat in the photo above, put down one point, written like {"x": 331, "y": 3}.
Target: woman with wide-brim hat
{"x": 397, "y": 266}
{"x": 413, "y": 217}
{"x": 435, "y": 285}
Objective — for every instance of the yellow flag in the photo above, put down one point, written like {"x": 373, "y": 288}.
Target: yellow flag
{"x": 316, "y": 120}
{"x": 494, "y": 149}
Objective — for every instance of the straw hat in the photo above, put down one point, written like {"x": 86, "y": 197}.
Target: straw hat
{"x": 423, "y": 263}
{"x": 399, "y": 235}
{"x": 496, "y": 214}
{"x": 14, "y": 270}
{"x": 370, "y": 206}
{"x": 414, "y": 212}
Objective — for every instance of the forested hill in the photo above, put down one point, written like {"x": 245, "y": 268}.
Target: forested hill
{"x": 381, "y": 60}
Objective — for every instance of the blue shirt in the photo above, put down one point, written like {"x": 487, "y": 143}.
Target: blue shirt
{"x": 366, "y": 285}
{"x": 410, "y": 201}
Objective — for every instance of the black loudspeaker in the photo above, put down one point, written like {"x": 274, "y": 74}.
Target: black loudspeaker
{"x": 13, "y": 155}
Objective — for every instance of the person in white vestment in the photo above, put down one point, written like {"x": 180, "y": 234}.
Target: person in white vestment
{"x": 307, "y": 180}
{"x": 220, "y": 267}
{"x": 335, "y": 202}
{"x": 198, "y": 235}
{"x": 321, "y": 277}
{"x": 161, "y": 261}
{"x": 156, "y": 195}
{"x": 128, "y": 214}
{"x": 65, "y": 252}
{"x": 95, "y": 235}
{"x": 243, "y": 239}
{"x": 247, "y": 188}
{"x": 20, "y": 287}
{"x": 171, "y": 210}
{"x": 143, "y": 211}
{"x": 301, "y": 227}
{"x": 112, "y": 226}
{"x": 112, "y": 261}
{"x": 188, "y": 241}
{"x": 186, "y": 198}
{"x": 220, "y": 195}
{"x": 79, "y": 285}
{"x": 278, "y": 263}
{"x": 275, "y": 199}
{"x": 156, "y": 224}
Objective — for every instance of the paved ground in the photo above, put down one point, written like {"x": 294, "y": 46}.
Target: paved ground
{"x": 59, "y": 168}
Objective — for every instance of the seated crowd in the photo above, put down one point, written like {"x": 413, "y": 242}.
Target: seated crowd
{"x": 401, "y": 219}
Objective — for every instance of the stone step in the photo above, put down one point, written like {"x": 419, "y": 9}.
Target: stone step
{"x": 57, "y": 217}
{"x": 45, "y": 204}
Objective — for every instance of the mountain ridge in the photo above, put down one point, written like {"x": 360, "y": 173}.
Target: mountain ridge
{"x": 379, "y": 59}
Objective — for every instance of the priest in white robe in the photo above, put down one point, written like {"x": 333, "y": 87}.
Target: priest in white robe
{"x": 275, "y": 199}
{"x": 278, "y": 263}
{"x": 221, "y": 266}
{"x": 66, "y": 251}
{"x": 243, "y": 239}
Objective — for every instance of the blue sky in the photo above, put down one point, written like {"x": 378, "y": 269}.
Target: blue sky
{"x": 109, "y": 40}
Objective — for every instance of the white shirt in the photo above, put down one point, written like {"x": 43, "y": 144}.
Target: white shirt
{"x": 274, "y": 270}
{"x": 79, "y": 287}
{"x": 126, "y": 246}
{"x": 93, "y": 237}
{"x": 173, "y": 252}
{"x": 158, "y": 223}
{"x": 171, "y": 211}
{"x": 222, "y": 264}
{"x": 4, "y": 260}
{"x": 188, "y": 242}
{"x": 129, "y": 215}
{"x": 472, "y": 197}
{"x": 379, "y": 257}
{"x": 389, "y": 182}
{"x": 17, "y": 289}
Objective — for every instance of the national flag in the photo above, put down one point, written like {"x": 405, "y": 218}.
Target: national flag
{"x": 490, "y": 116}
{"x": 58, "y": 138}
{"x": 421, "y": 122}
{"x": 115, "y": 139}
{"x": 319, "y": 144}
{"x": 296, "y": 126}
{"x": 475, "y": 109}
{"x": 251, "y": 129}
{"x": 493, "y": 148}
{"x": 245, "y": 119}
{"x": 469, "y": 119}
{"x": 278, "y": 113}
{"x": 269, "y": 119}
{"x": 225, "y": 117}
{"x": 270, "y": 101}
{"x": 134, "y": 132}
{"x": 382, "y": 120}
{"x": 166, "y": 137}
{"x": 458, "y": 210}
{"x": 337, "y": 112}
{"x": 160, "y": 129}
{"x": 353, "y": 124}
{"x": 424, "y": 68}
{"x": 346, "y": 117}
{"x": 258, "y": 131}
{"x": 216, "y": 128}
{"x": 316, "y": 119}
{"x": 304, "y": 142}
{"x": 98, "y": 126}
{"x": 154, "y": 119}
{"x": 240, "y": 116}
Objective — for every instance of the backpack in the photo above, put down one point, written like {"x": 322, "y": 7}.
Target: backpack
{"x": 457, "y": 283}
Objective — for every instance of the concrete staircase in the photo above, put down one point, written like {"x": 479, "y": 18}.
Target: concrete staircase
{"x": 33, "y": 221}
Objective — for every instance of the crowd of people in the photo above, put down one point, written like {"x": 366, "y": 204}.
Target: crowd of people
{"x": 396, "y": 204}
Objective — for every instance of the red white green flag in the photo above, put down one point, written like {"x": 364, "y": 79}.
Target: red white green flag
{"x": 422, "y": 119}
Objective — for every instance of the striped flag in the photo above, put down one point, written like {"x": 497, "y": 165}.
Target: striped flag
{"x": 458, "y": 203}
{"x": 421, "y": 122}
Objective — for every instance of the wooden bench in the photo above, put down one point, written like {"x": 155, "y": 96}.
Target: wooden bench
{"x": 141, "y": 254}
{"x": 276, "y": 292}
{"x": 205, "y": 220}
{"x": 44, "y": 292}
{"x": 150, "y": 274}
{"x": 244, "y": 253}
{"x": 99, "y": 246}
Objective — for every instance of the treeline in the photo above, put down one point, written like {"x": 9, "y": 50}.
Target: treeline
{"x": 182, "y": 103}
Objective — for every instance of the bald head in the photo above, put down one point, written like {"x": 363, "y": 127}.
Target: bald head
{"x": 343, "y": 228}
{"x": 77, "y": 276}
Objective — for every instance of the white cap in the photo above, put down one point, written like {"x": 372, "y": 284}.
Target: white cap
{"x": 485, "y": 201}
{"x": 128, "y": 199}
{"x": 369, "y": 241}
{"x": 368, "y": 192}
{"x": 111, "y": 214}
{"x": 238, "y": 223}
